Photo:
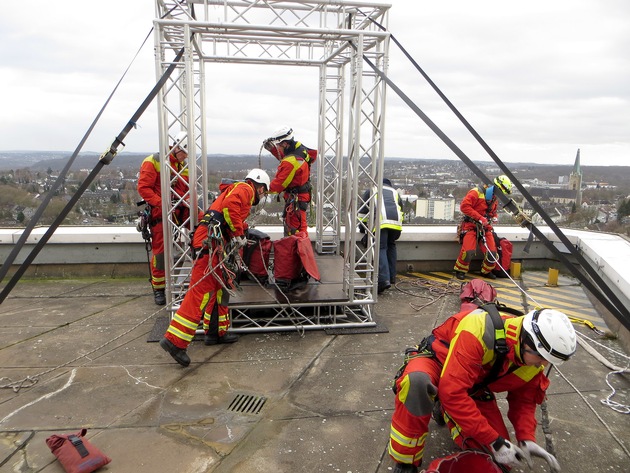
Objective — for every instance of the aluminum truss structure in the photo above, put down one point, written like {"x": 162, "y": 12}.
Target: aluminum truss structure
{"x": 331, "y": 35}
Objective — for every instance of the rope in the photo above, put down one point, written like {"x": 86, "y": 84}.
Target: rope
{"x": 617, "y": 439}
{"x": 437, "y": 290}
{"x": 595, "y": 283}
{"x": 30, "y": 381}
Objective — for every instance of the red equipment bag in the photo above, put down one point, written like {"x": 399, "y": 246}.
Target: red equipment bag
{"x": 256, "y": 255}
{"x": 468, "y": 461}
{"x": 504, "y": 251}
{"x": 75, "y": 453}
{"x": 294, "y": 262}
{"x": 476, "y": 293}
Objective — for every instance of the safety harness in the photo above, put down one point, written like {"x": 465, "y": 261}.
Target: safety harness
{"x": 424, "y": 348}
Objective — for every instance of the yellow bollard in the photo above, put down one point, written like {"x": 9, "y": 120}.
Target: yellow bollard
{"x": 553, "y": 277}
{"x": 515, "y": 270}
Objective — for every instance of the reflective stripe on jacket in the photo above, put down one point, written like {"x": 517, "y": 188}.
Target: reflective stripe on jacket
{"x": 464, "y": 344}
{"x": 234, "y": 203}
{"x": 149, "y": 185}
{"x": 293, "y": 171}
{"x": 475, "y": 205}
{"x": 391, "y": 208}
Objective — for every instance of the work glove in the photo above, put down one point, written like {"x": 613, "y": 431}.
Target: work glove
{"x": 239, "y": 241}
{"x": 532, "y": 449}
{"x": 483, "y": 221}
{"x": 506, "y": 453}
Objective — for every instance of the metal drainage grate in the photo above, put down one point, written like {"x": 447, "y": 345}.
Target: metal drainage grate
{"x": 247, "y": 404}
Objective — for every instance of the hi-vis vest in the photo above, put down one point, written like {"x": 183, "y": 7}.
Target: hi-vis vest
{"x": 391, "y": 209}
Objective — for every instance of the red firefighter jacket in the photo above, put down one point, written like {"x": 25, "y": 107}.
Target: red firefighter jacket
{"x": 294, "y": 172}
{"x": 234, "y": 203}
{"x": 149, "y": 186}
{"x": 464, "y": 344}
{"x": 475, "y": 205}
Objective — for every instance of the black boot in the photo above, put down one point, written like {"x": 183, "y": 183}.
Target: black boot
{"x": 212, "y": 335}
{"x": 405, "y": 468}
{"x": 159, "y": 296}
{"x": 489, "y": 275}
{"x": 178, "y": 354}
{"x": 214, "y": 339}
{"x": 460, "y": 275}
{"x": 437, "y": 414}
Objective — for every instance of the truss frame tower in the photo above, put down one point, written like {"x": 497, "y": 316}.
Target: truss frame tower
{"x": 331, "y": 35}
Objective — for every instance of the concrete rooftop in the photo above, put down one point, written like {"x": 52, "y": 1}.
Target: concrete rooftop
{"x": 327, "y": 398}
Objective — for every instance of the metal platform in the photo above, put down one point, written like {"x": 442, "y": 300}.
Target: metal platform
{"x": 317, "y": 305}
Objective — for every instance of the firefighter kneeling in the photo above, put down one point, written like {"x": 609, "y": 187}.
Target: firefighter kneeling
{"x": 456, "y": 364}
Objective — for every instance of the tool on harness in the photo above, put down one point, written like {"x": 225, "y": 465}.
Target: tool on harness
{"x": 144, "y": 217}
{"x": 422, "y": 350}
{"x": 501, "y": 350}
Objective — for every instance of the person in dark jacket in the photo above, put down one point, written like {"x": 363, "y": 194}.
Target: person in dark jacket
{"x": 391, "y": 220}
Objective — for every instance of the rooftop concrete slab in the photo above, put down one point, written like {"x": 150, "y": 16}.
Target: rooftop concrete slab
{"x": 327, "y": 401}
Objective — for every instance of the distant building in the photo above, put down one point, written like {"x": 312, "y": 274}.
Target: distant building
{"x": 575, "y": 180}
{"x": 436, "y": 208}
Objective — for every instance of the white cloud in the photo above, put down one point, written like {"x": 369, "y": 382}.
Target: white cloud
{"x": 536, "y": 79}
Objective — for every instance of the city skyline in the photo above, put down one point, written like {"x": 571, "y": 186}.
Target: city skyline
{"x": 537, "y": 83}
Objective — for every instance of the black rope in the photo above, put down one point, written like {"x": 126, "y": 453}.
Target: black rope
{"x": 42, "y": 207}
{"x": 105, "y": 158}
{"x": 611, "y": 302}
{"x": 44, "y": 204}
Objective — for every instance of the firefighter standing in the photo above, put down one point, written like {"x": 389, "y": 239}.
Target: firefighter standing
{"x": 479, "y": 207}
{"x": 149, "y": 188}
{"x": 455, "y": 363}
{"x": 221, "y": 231}
{"x": 391, "y": 219}
{"x": 292, "y": 178}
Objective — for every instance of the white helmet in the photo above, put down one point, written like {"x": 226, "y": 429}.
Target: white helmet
{"x": 551, "y": 334}
{"x": 282, "y": 134}
{"x": 259, "y": 176}
{"x": 181, "y": 140}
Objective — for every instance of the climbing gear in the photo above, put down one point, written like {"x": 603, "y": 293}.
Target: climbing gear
{"x": 595, "y": 283}
{"x": 551, "y": 334}
{"x": 421, "y": 350}
{"x": 504, "y": 183}
{"x": 239, "y": 241}
{"x": 178, "y": 354}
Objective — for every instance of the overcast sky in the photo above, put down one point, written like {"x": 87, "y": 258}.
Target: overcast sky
{"x": 537, "y": 79}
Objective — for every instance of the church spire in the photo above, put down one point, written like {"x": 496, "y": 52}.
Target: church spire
{"x": 575, "y": 180}
{"x": 576, "y": 165}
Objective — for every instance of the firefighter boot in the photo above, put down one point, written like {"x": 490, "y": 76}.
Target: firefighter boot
{"x": 178, "y": 354}
{"x": 405, "y": 468}
{"x": 460, "y": 275}
{"x": 159, "y": 296}
{"x": 212, "y": 335}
